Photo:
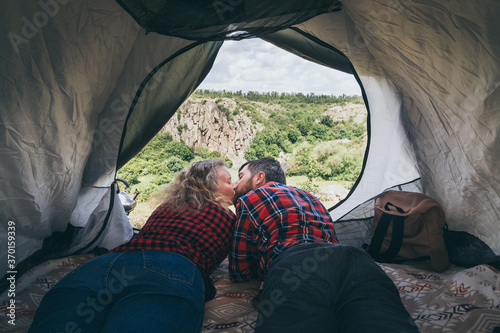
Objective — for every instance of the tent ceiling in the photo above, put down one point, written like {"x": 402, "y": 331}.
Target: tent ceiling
{"x": 223, "y": 19}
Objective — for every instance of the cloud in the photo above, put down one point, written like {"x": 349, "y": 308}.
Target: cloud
{"x": 255, "y": 65}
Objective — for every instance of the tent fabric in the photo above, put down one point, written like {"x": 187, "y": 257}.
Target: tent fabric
{"x": 310, "y": 48}
{"x": 444, "y": 60}
{"x": 82, "y": 86}
{"x": 223, "y": 19}
{"x": 54, "y": 84}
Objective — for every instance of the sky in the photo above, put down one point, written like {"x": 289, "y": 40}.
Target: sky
{"x": 256, "y": 65}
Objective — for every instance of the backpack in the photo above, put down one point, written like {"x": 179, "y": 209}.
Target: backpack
{"x": 409, "y": 226}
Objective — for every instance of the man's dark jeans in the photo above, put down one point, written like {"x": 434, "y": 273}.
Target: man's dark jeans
{"x": 322, "y": 287}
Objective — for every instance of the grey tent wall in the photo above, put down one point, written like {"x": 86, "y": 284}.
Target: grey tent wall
{"x": 57, "y": 73}
{"x": 444, "y": 60}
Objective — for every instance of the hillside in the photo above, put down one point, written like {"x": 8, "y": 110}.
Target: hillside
{"x": 229, "y": 125}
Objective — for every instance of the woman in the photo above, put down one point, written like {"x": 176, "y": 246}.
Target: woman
{"x": 155, "y": 282}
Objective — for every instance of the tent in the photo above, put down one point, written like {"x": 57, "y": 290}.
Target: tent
{"x": 86, "y": 84}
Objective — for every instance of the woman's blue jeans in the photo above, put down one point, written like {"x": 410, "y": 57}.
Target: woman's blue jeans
{"x": 321, "y": 287}
{"x": 128, "y": 291}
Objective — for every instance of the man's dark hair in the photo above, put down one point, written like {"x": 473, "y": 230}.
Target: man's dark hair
{"x": 270, "y": 166}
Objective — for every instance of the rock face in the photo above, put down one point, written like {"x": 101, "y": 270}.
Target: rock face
{"x": 213, "y": 125}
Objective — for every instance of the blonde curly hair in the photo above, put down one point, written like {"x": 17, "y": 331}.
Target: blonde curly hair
{"x": 196, "y": 186}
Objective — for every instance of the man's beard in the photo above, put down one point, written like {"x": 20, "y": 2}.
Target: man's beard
{"x": 241, "y": 191}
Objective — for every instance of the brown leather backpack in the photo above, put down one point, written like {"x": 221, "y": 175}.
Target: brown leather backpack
{"x": 409, "y": 226}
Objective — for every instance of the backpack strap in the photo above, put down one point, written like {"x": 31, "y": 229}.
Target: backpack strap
{"x": 379, "y": 235}
{"x": 399, "y": 209}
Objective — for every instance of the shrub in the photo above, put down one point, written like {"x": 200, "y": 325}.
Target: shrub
{"x": 339, "y": 160}
{"x": 146, "y": 191}
{"x": 228, "y": 162}
{"x": 175, "y": 164}
{"x": 269, "y": 142}
{"x": 164, "y": 179}
{"x": 300, "y": 159}
{"x": 293, "y": 135}
{"x": 327, "y": 120}
{"x": 255, "y": 151}
{"x": 304, "y": 127}
{"x": 175, "y": 148}
{"x": 308, "y": 186}
{"x": 205, "y": 154}
{"x": 319, "y": 131}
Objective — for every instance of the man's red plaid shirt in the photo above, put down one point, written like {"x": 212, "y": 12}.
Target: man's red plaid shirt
{"x": 202, "y": 235}
{"x": 271, "y": 219}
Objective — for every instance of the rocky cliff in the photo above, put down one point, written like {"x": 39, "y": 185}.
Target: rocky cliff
{"x": 211, "y": 124}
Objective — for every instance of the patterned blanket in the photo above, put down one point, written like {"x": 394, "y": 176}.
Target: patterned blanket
{"x": 457, "y": 300}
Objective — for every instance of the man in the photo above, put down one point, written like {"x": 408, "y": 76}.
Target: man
{"x": 286, "y": 238}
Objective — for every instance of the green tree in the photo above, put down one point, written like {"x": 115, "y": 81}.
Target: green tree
{"x": 305, "y": 127}
{"x": 293, "y": 135}
{"x": 175, "y": 164}
{"x": 319, "y": 131}
{"x": 176, "y": 148}
{"x": 327, "y": 120}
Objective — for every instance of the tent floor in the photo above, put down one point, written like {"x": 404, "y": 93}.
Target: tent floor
{"x": 457, "y": 300}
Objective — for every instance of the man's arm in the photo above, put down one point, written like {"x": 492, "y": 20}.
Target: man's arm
{"x": 243, "y": 258}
